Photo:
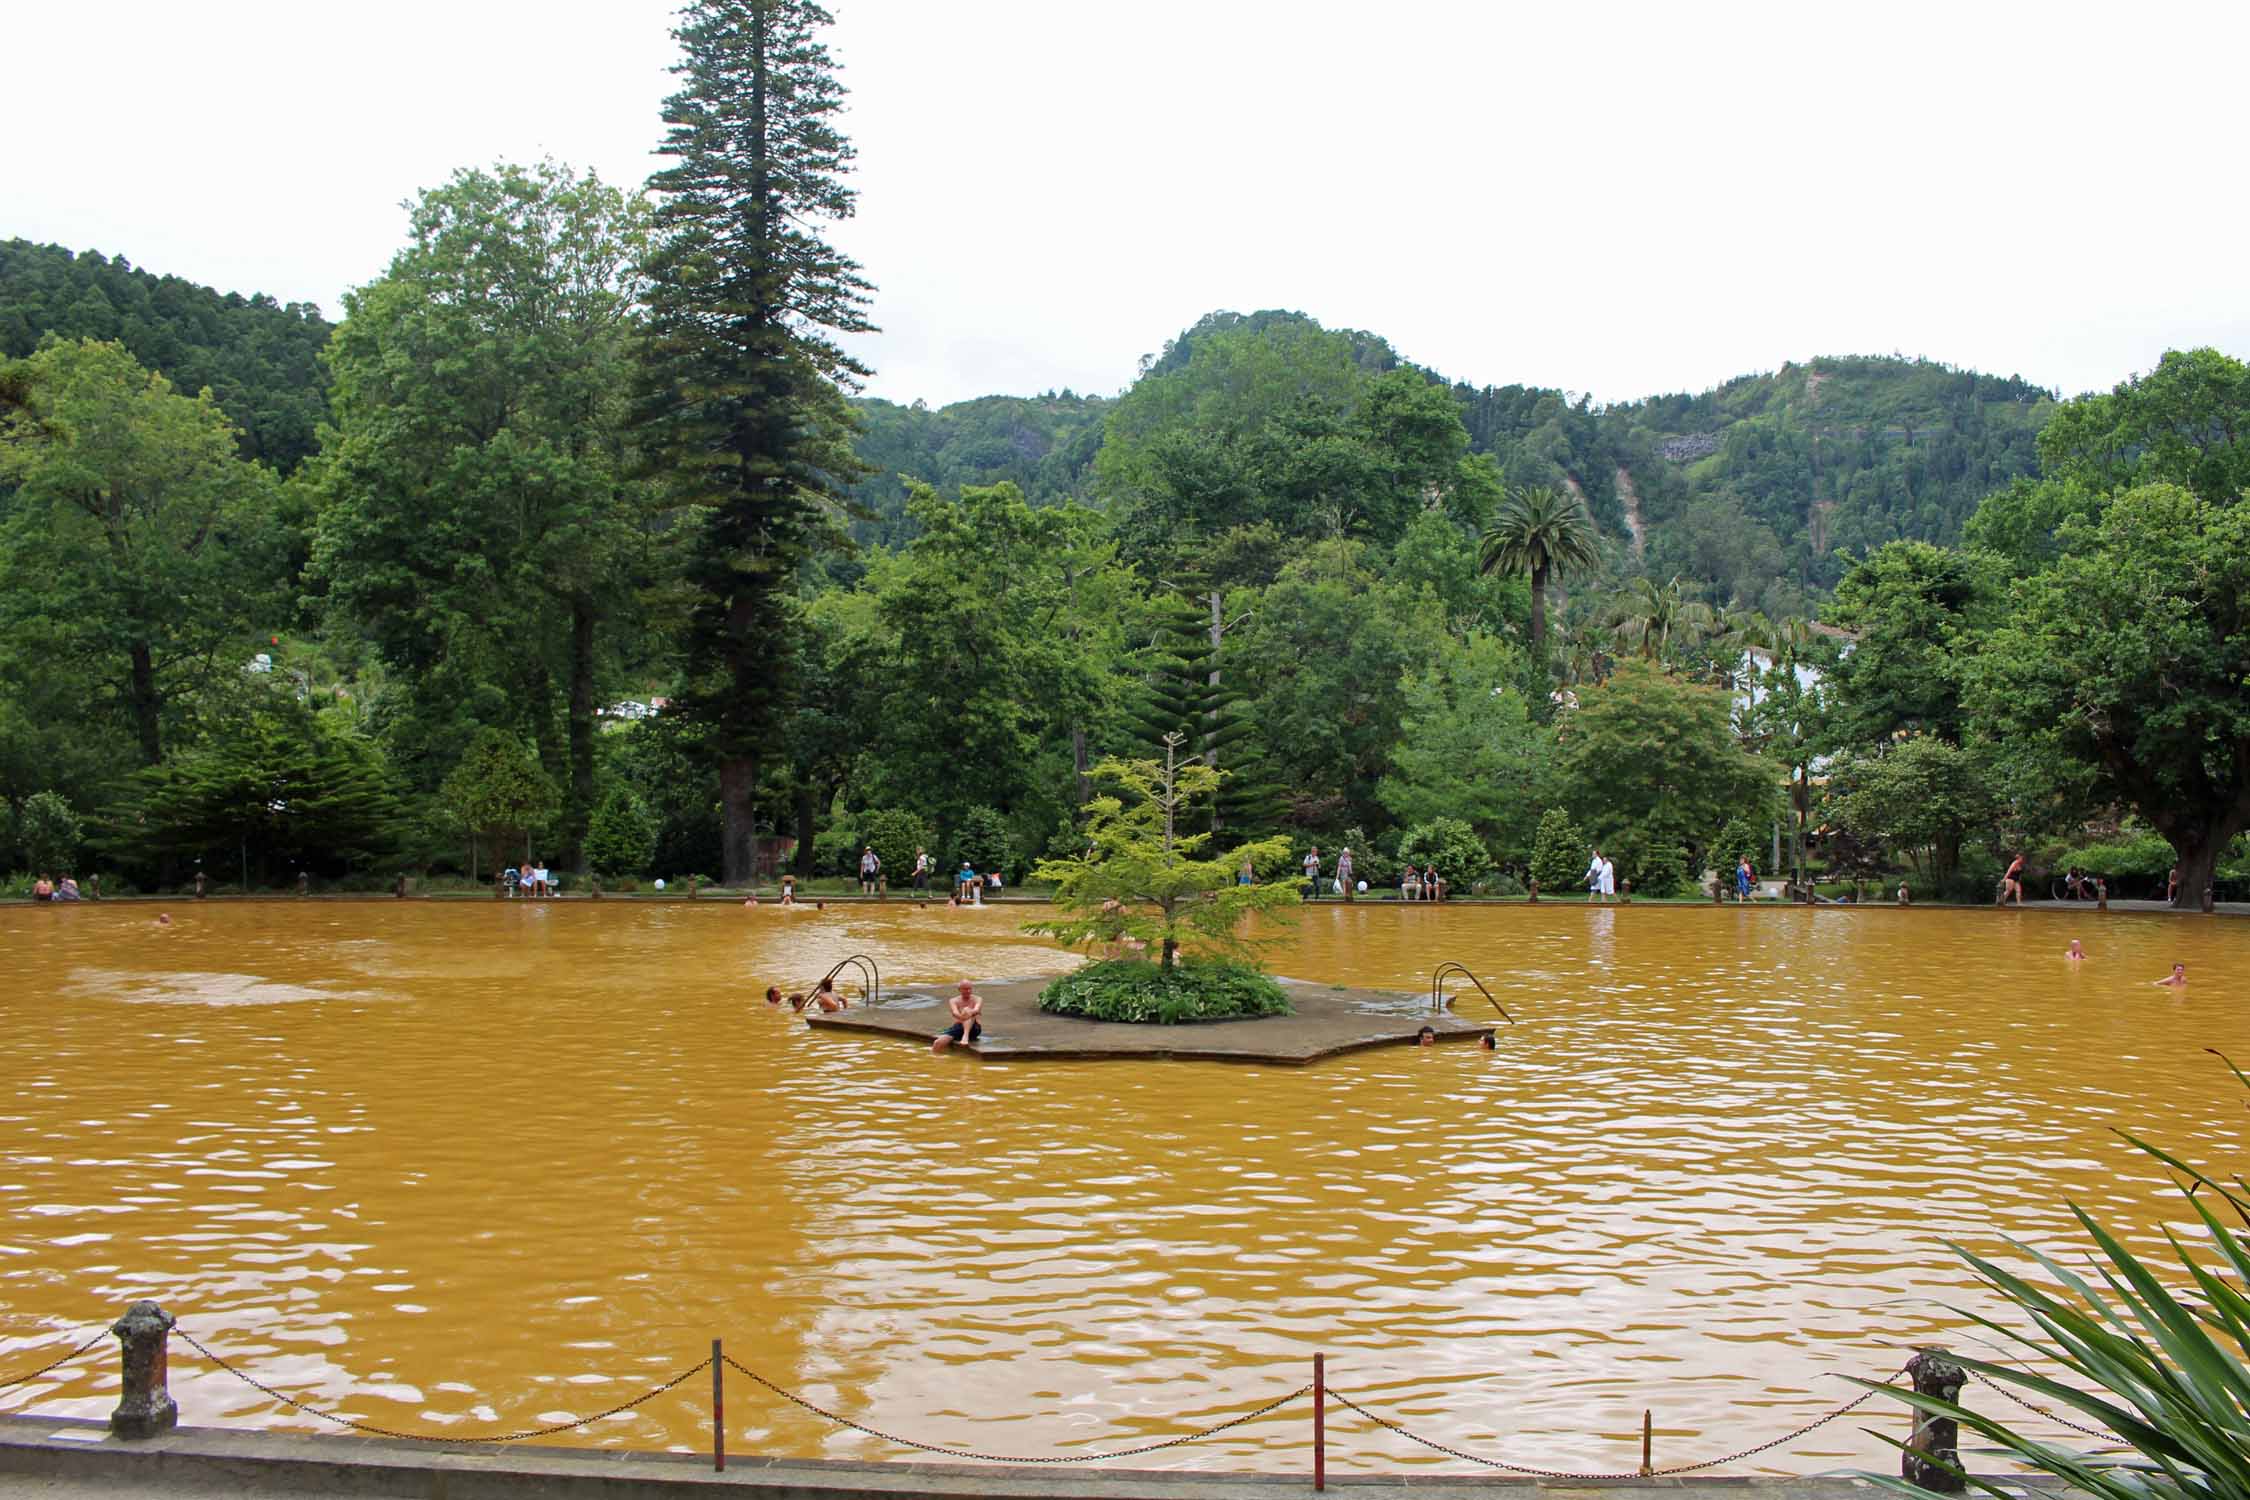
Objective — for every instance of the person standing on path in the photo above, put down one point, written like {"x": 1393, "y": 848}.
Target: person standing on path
{"x": 1344, "y": 873}
{"x": 869, "y": 868}
{"x": 1609, "y": 878}
{"x": 1594, "y": 876}
{"x": 922, "y": 864}
{"x": 1312, "y": 872}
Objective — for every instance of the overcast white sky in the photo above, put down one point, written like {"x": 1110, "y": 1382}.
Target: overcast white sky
{"x": 1609, "y": 198}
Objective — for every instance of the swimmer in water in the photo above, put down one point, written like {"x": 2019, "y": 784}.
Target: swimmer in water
{"x": 163, "y": 919}
{"x": 773, "y": 995}
{"x": 2177, "y": 980}
{"x": 797, "y": 1002}
{"x": 2075, "y": 951}
{"x": 1487, "y": 1042}
{"x": 826, "y": 997}
{"x": 1426, "y": 1037}
{"x": 750, "y": 901}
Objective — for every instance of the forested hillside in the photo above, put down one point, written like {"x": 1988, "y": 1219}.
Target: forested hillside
{"x": 260, "y": 358}
{"x": 1044, "y": 445}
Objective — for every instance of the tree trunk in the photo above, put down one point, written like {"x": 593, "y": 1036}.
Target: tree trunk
{"x": 1538, "y": 614}
{"x": 581, "y": 811}
{"x": 146, "y": 704}
{"x": 2199, "y": 862}
{"x": 1078, "y": 764}
{"x": 1170, "y": 947}
{"x": 808, "y": 808}
{"x": 738, "y": 786}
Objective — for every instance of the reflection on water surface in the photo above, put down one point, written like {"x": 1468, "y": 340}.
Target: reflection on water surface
{"x": 458, "y": 1164}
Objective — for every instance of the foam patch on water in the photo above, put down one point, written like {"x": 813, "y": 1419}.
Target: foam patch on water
{"x": 189, "y": 987}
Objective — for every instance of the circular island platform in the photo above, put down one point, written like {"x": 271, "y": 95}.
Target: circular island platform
{"x": 1326, "y": 1021}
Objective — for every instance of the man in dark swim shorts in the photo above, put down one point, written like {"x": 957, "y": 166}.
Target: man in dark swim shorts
{"x": 967, "y": 1010}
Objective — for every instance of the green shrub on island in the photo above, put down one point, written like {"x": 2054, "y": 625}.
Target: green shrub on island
{"x": 1141, "y": 991}
{"x": 1144, "y": 881}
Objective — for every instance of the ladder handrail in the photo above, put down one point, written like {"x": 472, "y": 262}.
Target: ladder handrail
{"x": 1437, "y": 988}
{"x": 871, "y": 977}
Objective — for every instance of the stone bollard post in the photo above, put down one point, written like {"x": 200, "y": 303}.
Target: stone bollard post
{"x": 692, "y": 882}
{"x": 1534, "y": 900}
{"x": 398, "y": 892}
{"x": 2209, "y": 905}
{"x": 200, "y": 881}
{"x": 1933, "y": 1452}
{"x": 593, "y": 888}
{"x": 500, "y": 887}
{"x": 304, "y": 883}
{"x": 94, "y": 887}
{"x": 1625, "y": 890}
{"x": 145, "y": 1409}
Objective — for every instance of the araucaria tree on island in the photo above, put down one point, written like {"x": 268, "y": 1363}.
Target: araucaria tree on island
{"x": 1142, "y": 878}
{"x": 743, "y": 398}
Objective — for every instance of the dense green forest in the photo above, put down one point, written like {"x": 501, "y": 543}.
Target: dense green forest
{"x": 259, "y": 357}
{"x": 559, "y": 545}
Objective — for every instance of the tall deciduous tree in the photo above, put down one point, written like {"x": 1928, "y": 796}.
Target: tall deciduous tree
{"x": 743, "y": 371}
{"x": 479, "y": 520}
{"x": 2130, "y": 654}
{"x": 138, "y": 547}
{"x": 1540, "y": 532}
{"x": 1653, "y": 766}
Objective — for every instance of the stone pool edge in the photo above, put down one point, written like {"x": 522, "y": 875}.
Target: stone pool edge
{"x": 80, "y": 1452}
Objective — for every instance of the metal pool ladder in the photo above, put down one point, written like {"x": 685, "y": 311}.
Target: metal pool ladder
{"x": 871, "y": 979}
{"x": 1449, "y": 968}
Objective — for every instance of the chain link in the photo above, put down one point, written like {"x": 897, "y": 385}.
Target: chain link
{"x": 1710, "y": 1463}
{"x": 31, "y": 1375}
{"x": 2037, "y": 1410}
{"x": 1016, "y": 1458}
{"x": 496, "y": 1437}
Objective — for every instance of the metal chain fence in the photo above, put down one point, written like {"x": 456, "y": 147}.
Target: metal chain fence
{"x": 422, "y": 1437}
{"x": 1195, "y": 1435}
{"x": 1016, "y": 1458}
{"x": 1710, "y": 1463}
{"x": 2037, "y": 1410}
{"x": 31, "y": 1375}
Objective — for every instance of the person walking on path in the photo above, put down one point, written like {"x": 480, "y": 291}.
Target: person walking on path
{"x": 1344, "y": 873}
{"x": 1594, "y": 876}
{"x": 922, "y": 864}
{"x": 1312, "y": 872}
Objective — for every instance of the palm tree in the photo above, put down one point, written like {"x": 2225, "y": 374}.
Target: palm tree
{"x": 1540, "y": 532}
{"x": 1648, "y": 616}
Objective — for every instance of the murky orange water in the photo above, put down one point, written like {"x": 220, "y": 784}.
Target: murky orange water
{"x": 443, "y": 1166}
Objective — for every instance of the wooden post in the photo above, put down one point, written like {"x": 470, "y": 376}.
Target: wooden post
{"x": 718, "y": 1407}
{"x": 1320, "y": 1421}
{"x": 1648, "y": 1443}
